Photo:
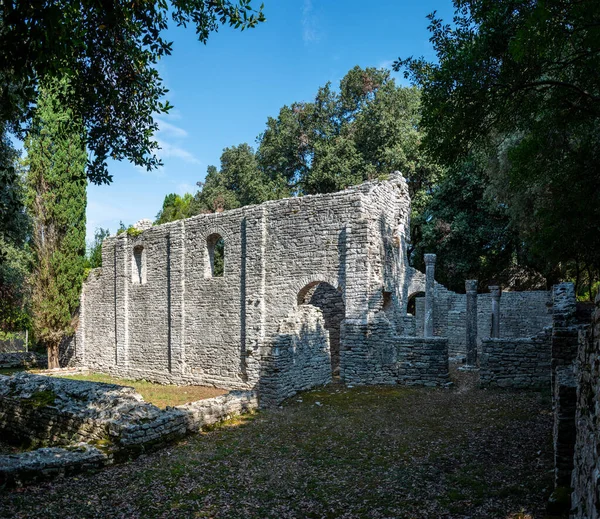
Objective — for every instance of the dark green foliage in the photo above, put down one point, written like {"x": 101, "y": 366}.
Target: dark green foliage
{"x": 14, "y": 227}
{"x": 95, "y": 252}
{"x": 366, "y": 130}
{"x": 470, "y": 231}
{"x": 13, "y": 221}
{"x": 174, "y": 207}
{"x": 237, "y": 183}
{"x": 56, "y": 185}
{"x": 109, "y": 52}
{"x": 519, "y": 80}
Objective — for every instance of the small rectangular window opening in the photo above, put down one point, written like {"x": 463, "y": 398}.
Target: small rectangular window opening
{"x": 216, "y": 256}
{"x": 138, "y": 271}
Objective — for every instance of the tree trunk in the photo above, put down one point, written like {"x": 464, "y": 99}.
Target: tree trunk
{"x": 53, "y": 350}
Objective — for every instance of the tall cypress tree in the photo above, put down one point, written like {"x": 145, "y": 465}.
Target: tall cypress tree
{"x": 56, "y": 199}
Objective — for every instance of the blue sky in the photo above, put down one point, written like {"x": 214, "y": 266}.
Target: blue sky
{"x": 223, "y": 92}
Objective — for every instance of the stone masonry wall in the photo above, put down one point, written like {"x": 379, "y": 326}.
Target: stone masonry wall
{"x": 88, "y": 425}
{"x": 516, "y": 363}
{"x": 300, "y": 358}
{"x": 392, "y": 359}
{"x": 585, "y": 498}
{"x": 155, "y": 311}
{"x": 522, "y": 314}
{"x": 564, "y": 401}
{"x": 330, "y": 302}
{"x": 53, "y": 411}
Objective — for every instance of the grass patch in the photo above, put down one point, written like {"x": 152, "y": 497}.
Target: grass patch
{"x": 7, "y": 372}
{"x": 158, "y": 394}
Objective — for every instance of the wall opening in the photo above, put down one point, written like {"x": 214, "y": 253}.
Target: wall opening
{"x": 329, "y": 300}
{"x": 138, "y": 268}
{"x": 411, "y": 307}
{"x": 216, "y": 256}
{"x": 387, "y": 302}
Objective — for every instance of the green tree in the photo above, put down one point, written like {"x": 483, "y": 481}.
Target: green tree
{"x": 365, "y": 130}
{"x": 13, "y": 220}
{"x": 109, "y": 51}
{"x": 94, "y": 255}
{"x": 56, "y": 200}
{"x": 14, "y": 229}
{"x": 470, "y": 230}
{"x": 518, "y": 80}
{"x": 174, "y": 207}
{"x": 237, "y": 183}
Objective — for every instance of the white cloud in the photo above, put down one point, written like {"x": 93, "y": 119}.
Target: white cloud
{"x": 169, "y": 150}
{"x": 170, "y": 129}
{"x": 310, "y": 33}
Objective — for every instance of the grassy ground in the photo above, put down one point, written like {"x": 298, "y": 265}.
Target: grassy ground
{"x": 10, "y": 371}
{"x": 368, "y": 452}
{"x": 158, "y": 394}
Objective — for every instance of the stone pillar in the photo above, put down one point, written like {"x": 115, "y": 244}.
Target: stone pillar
{"x": 496, "y": 293}
{"x": 471, "y": 288}
{"x": 429, "y": 296}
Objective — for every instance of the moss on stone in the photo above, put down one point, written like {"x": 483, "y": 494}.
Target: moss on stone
{"x": 40, "y": 399}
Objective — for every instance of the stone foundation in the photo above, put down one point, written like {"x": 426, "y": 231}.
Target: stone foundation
{"x": 113, "y": 421}
{"x": 585, "y": 481}
{"x": 25, "y": 359}
{"x": 564, "y": 398}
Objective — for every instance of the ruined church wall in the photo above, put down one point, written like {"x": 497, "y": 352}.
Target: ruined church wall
{"x": 299, "y": 357}
{"x": 153, "y": 311}
{"x": 522, "y": 315}
{"x": 180, "y": 324}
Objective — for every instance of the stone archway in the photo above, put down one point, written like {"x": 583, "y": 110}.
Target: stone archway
{"x": 329, "y": 300}
{"x": 411, "y": 305}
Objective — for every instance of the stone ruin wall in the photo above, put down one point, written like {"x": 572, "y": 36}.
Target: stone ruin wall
{"x": 182, "y": 325}
{"x": 522, "y": 315}
{"x": 585, "y": 481}
{"x": 155, "y": 311}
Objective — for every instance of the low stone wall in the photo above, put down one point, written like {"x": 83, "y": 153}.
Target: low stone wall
{"x": 23, "y": 359}
{"x": 49, "y": 463}
{"x": 516, "y": 363}
{"x": 422, "y": 361}
{"x": 212, "y": 410}
{"x": 54, "y": 411}
{"x": 375, "y": 356}
{"x": 47, "y": 411}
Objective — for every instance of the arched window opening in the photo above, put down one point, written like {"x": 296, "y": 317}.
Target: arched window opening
{"x": 330, "y": 301}
{"x": 216, "y": 256}
{"x": 411, "y": 307}
{"x": 138, "y": 270}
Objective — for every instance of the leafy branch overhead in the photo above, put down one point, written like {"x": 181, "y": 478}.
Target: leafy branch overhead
{"x": 108, "y": 51}
{"x": 518, "y": 82}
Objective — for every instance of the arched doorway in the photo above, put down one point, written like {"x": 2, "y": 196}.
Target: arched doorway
{"x": 329, "y": 300}
{"x": 411, "y": 306}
